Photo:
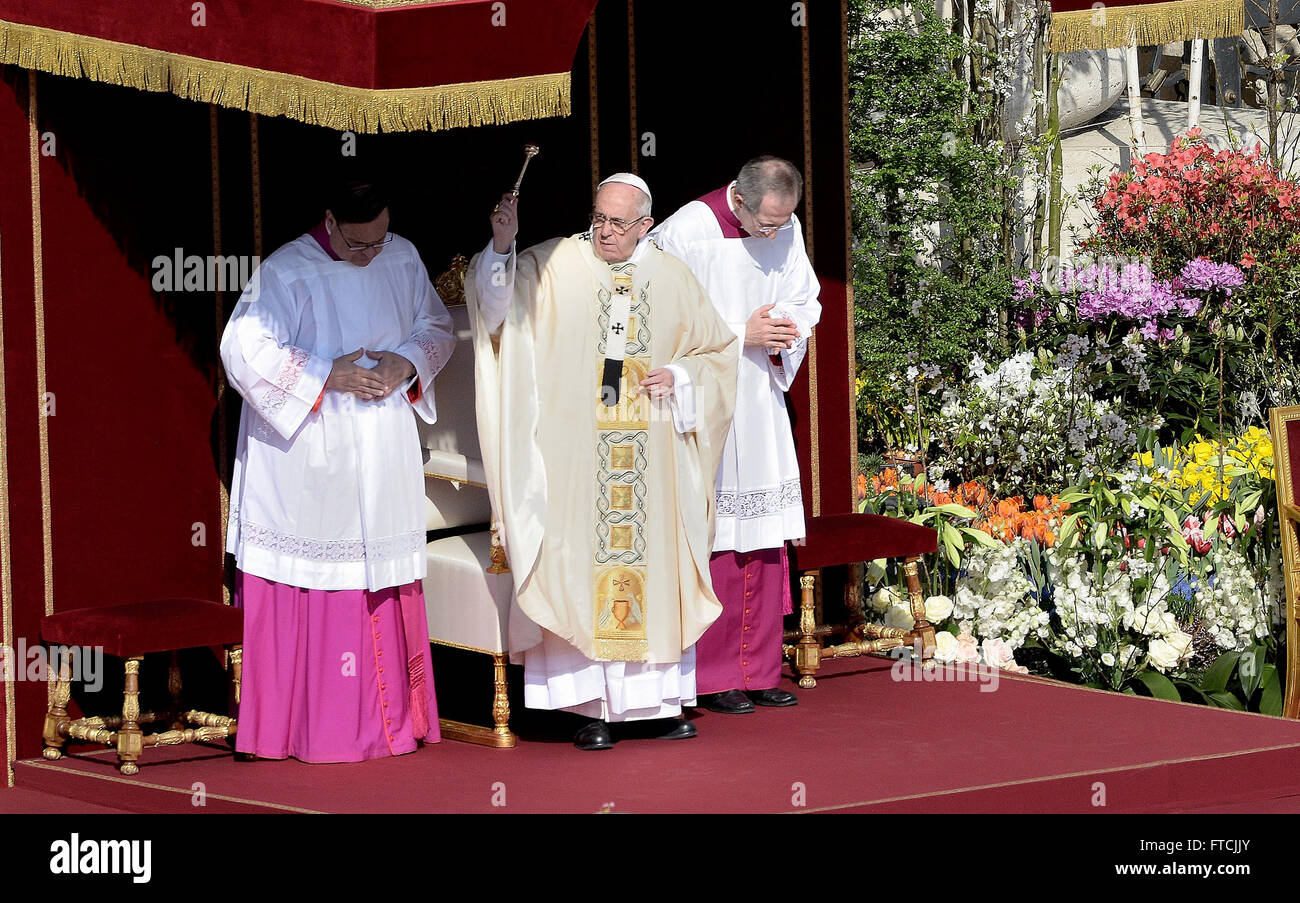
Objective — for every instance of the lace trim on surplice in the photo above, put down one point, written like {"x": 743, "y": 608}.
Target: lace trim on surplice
{"x": 430, "y": 349}
{"x": 383, "y": 549}
{"x": 760, "y": 502}
{"x": 285, "y": 382}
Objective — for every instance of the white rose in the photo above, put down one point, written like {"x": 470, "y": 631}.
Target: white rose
{"x": 1108, "y": 660}
{"x": 1168, "y": 623}
{"x": 899, "y": 616}
{"x": 1181, "y": 642}
{"x": 945, "y": 646}
{"x": 937, "y": 609}
{"x": 1163, "y": 655}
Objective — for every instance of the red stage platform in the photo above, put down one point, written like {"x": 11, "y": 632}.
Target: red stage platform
{"x": 860, "y": 742}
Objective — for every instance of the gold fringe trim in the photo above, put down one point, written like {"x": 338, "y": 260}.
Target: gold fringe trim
{"x": 269, "y": 93}
{"x": 1145, "y": 25}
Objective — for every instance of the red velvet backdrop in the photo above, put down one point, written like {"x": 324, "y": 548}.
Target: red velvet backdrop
{"x": 134, "y": 492}
{"x": 133, "y": 449}
{"x": 440, "y": 43}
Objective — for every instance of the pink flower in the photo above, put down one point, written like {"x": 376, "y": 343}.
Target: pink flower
{"x": 998, "y": 654}
{"x": 968, "y": 649}
{"x": 1228, "y": 528}
{"x": 1193, "y": 534}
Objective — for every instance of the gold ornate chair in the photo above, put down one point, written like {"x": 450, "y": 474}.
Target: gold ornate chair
{"x": 130, "y": 632}
{"x": 849, "y": 539}
{"x": 1284, "y": 426}
{"x": 467, "y": 588}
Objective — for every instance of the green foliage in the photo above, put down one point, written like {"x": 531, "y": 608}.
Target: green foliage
{"x": 1243, "y": 681}
{"x": 927, "y": 211}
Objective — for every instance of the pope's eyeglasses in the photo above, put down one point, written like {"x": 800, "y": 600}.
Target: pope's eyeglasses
{"x": 619, "y": 226}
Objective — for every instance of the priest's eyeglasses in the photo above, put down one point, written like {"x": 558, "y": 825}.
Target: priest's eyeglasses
{"x": 366, "y": 246}
{"x": 769, "y": 230}
{"x": 618, "y": 225}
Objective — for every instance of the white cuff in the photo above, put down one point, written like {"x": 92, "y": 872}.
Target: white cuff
{"x": 682, "y": 399}
{"x": 493, "y": 292}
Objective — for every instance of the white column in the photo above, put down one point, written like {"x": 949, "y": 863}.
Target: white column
{"x": 1194, "y": 85}
{"x": 1135, "y": 102}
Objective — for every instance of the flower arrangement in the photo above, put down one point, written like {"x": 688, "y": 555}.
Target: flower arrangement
{"x": 1208, "y": 468}
{"x": 1098, "y": 474}
{"x": 1227, "y": 205}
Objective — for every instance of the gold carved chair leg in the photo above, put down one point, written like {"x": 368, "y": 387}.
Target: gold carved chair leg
{"x": 853, "y": 602}
{"x": 130, "y": 739}
{"x": 807, "y": 653}
{"x": 56, "y": 716}
{"x": 499, "y": 736}
{"x": 174, "y": 689}
{"x": 922, "y": 632}
{"x": 237, "y": 669}
{"x": 501, "y": 701}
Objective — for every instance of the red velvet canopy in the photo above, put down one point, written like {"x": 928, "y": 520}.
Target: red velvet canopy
{"x": 1092, "y": 25}
{"x": 365, "y": 65}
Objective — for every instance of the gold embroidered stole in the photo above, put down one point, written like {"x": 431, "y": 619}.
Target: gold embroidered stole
{"x": 622, "y": 445}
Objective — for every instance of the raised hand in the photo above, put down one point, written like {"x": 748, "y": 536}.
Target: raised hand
{"x": 505, "y": 223}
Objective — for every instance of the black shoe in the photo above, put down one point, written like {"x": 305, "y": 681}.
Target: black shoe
{"x": 774, "y": 697}
{"x": 677, "y": 729}
{"x": 732, "y": 702}
{"x": 593, "y": 735}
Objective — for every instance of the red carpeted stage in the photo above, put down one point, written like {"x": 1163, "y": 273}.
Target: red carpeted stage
{"x": 860, "y": 742}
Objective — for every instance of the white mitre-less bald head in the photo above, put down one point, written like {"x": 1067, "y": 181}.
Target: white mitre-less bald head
{"x": 628, "y": 178}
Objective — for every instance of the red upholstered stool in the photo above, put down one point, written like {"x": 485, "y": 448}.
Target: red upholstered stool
{"x": 130, "y": 632}
{"x": 850, "y": 539}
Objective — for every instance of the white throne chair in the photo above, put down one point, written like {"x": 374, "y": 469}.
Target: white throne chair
{"x": 467, "y": 587}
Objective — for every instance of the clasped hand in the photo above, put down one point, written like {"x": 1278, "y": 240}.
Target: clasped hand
{"x": 374, "y": 384}
{"x": 772, "y": 333}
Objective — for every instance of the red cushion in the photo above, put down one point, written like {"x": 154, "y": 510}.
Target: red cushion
{"x": 850, "y": 538}
{"x": 139, "y": 628}
{"x": 1293, "y": 455}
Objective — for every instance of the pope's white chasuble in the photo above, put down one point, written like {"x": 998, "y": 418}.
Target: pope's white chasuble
{"x": 605, "y": 505}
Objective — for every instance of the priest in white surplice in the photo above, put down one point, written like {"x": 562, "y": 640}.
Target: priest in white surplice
{"x": 745, "y": 245}
{"x": 602, "y": 412}
{"x": 334, "y": 347}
